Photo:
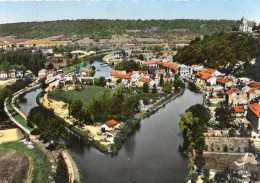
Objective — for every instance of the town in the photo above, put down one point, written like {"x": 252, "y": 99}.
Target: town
{"x": 67, "y": 102}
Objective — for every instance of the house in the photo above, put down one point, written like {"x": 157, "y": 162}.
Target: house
{"x": 28, "y": 74}
{"x": 42, "y": 73}
{"x": 12, "y": 73}
{"x": 238, "y": 111}
{"x": 203, "y": 78}
{"x": 52, "y": 73}
{"x": 109, "y": 125}
{"x": 184, "y": 70}
{"x": 234, "y": 96}
{"x": 3, "y": 74}
{"x": 86, "y": 72}
{"x": 253, "y": 93}
{"x": 120, "y": 75}
{"x": 143, "y": 80}
{"x": 246, "y": 26}
{"x": 253, "y": 116}
{"x": 226, "y": 83}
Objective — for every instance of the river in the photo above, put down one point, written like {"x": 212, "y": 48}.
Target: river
{"x": 150, "y": 154}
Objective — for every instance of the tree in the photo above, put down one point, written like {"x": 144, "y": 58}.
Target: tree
{"x": 62, "y": 174}
{"x": 145, "y": 88}
{"x": 154, "y": 90}
{"x": 76, "y": 109}
{"x": 161, "y": 83}
{"x": 224, "y": 116}
{"x": 46, "y": 124}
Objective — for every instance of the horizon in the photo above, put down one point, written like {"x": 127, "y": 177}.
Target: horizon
{"x": 119, "y": 19}
{"x": 18, "y": 11}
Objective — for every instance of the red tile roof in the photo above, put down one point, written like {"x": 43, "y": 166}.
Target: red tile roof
{"x": 222, "y": 80}
{"x": 42, "y": 76}
{"x": 232, "y": 90}
{"x": 210, "y": 71}
{"x": 255, "y": 108}
{"x": 145, "y": 80}
{"x": 111, "y": 123}
{"x": 42, "y": 71}
{"x": 170, "y": 66}
{"x": 151, "y": 63}
{"x": 254, "y": 84}
{"x": 252, "y": 90}
{"x": 121, "y": 75}
{"x": 87, "y": 70}
{"x": 238, "y": 109}
{"x": 204, "y": 75}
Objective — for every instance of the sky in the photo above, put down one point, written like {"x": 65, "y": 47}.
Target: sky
{"x": 43, "y": 10}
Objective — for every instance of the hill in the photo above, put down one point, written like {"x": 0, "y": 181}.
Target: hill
{"x": 223, "y": 51}
{"x": 102, "y": 28}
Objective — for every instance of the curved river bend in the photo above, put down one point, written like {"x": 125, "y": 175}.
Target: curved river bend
{"x": 149, "y": 155}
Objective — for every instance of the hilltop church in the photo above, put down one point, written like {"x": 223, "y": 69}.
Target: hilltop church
{"x": 246, "y": 26}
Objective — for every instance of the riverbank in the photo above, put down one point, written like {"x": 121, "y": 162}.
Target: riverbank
{"x": 99, "y": 141}
{"x": 40, "y": 168}
{"x": 21, "y": 121}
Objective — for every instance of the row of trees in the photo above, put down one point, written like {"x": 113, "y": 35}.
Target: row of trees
{"x": 101, "y": 28}
{"x": 22, "y": 60}
{"x": 120, "y": 104}
{"x": 193, "y": 124}
{"x": 8, "y": 91}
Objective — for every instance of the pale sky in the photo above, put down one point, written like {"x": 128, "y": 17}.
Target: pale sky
{"x": 41, "y": 10}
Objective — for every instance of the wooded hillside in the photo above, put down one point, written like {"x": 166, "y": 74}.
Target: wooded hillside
{"x": 105, "y": 28}
{"x": 224, "y": 51}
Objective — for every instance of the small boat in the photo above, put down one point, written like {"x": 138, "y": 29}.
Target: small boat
{"x": 98, "y": 69}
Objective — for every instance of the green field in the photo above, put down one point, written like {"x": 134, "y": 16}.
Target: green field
{"x": 41, "y": 168}
{"x": 88, "y": 94}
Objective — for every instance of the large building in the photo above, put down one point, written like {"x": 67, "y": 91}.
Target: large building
{"x": 246, "y": 26}
{"x": 253, "y": 115}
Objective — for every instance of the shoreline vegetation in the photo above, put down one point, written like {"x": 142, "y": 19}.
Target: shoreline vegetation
{"x": 85, "y": 133}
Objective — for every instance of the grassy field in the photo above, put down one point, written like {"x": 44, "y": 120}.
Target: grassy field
{"x": 41, "y": 168}
{"x": 88, "y": 94}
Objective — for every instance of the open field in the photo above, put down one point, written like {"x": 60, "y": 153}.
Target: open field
{"x": 41, "y": 168}
{"x": 10, "y": 135}
{"x": 88, "y": 94}
{"x": 44, "y": 42}
{"x": 15, "y": 166}
{"x": 10, "y": 40}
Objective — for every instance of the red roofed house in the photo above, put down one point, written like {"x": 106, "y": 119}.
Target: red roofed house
{"x": 143, "y": 80}
{"x": 109, "y": 125}
{"x": 125, "y": 77}
{"x": 238, "y": 111}
{"x": 235, "y": 96}
{"x": 253, "y": 93}
{"x": 253, "y": 115}
{"x": 42, "y": 73}
{"x": 226, "y": 83}
{"x": 204, "y": 77}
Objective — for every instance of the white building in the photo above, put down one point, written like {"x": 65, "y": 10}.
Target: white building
{"x": 247, "y": 26}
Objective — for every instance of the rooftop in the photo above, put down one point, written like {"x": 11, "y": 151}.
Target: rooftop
{"x": 232, "y": 90}
{"x": 111, "y": 123}
{"x": 255, "y": 108}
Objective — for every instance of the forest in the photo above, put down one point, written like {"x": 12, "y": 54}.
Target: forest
{"x": 223, "y": 51}
{"x": 103, "y": 28}
{"x": 22, "y": 60}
